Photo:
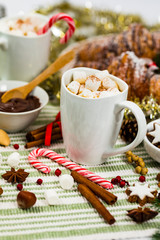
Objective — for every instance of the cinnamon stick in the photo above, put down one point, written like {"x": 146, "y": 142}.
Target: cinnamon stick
{"x": 107, "y": 196}
{"x": 30, "y": 135}
{"x": 42, "y": 134}
{"x": 41, "y": 141}
{"x": 101, "y": 209}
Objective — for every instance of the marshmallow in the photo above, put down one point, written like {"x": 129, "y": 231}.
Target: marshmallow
{"x": 113, "y": 90}
{"x": 102, "y": 74}
{"x": 92, "y": 83}
{"x": 86, "y": 93}
{"x": 109, "y": 92}
{"x": 108, "y": 83}
{"x": 0, "y": 159}
{"x": 73, "y": 87}
{"x": 96, "y": 94}
{"x": 13, "y": 159}
{"x": 51, "y": 197}
{"x": 105, "y": 94}
{"x": 79, "y": 76}
{"x": 66, "y": 181}
{"x": 82, "y": 87}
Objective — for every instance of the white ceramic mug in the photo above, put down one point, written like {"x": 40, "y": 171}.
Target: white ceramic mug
{"x": 23, "y": 58}
{"x": 90, "y": 127}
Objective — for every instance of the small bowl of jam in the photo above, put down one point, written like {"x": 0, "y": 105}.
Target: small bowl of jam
{"x": 17, "y": 114}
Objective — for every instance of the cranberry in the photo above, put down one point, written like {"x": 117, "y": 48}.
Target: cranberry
{"x": 57, "y": 172}
{"x": 122, "y": 183}
{"x": 114, "y": 181}
{"x": 118, "y": 178}
{"x": 19, "y": 186}
{"x": 16, "y": 146}
{"x": 39, "y": 181}
{"x": 142, "y": 179}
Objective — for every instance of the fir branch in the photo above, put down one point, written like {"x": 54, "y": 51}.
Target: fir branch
{"x": 156, "y": 205}
{"x": 156, "y": 236}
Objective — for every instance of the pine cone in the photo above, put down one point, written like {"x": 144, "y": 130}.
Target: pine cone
{"x": 128, "y": 130}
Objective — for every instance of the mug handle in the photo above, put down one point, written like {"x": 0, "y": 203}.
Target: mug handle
{"x": 3, "y": 43}
{"x": 142, "y": 126}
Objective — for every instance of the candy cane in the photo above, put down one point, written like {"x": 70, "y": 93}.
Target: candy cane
{"x": 58, "y": 17}
{"x": 66, "y": 163}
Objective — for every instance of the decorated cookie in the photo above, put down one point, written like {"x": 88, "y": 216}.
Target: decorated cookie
{"x": 154, "y": 135}
{"x": 141, "y": 193}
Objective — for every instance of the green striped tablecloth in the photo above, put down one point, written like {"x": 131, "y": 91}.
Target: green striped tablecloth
{"x": 74, "y": 218}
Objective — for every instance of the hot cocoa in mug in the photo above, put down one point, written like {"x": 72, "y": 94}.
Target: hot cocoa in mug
{"x": 23, "y": 53}
{"x": 92, "y": 107}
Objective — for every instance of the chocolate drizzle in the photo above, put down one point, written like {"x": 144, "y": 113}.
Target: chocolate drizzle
{"x": 16, "y": 105}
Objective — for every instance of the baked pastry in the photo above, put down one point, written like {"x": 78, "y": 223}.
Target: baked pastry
{"x": 137, "y": 39}
{"x": 154, "y": 135}
{"x": 141, "y": 193}
{"x": 137, "y": 73}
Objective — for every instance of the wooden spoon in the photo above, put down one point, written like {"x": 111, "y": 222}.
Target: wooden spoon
{"x": 22, "y": 92}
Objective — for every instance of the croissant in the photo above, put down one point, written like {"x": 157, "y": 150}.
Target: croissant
{"x": 103, "y": 49}
{"x": 138, "y": 73}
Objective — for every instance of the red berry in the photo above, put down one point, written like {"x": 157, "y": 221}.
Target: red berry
{"x": 122, "y": 183}
{"x": 142, "y": 179}
{"x": 39, "y": 181}
{"x": 19, "y": 186}
{"x": 114, "y": 181}
{"x": 57, "y": 172}
{"x": 118, "y": 178}
{"x": 16, "y": 146}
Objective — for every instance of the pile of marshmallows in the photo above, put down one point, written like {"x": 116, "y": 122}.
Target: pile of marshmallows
{"x": 98, "y": 85}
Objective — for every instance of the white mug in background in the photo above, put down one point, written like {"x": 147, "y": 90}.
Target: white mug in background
{"x": 90, "y": 127}
{"x": 23, "y": 58}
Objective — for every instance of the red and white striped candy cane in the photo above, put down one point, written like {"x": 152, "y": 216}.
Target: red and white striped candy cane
{"x": 66, "y": 163}
{"x": 58, "y": 17}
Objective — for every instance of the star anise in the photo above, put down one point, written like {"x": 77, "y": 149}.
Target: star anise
{"x": 140, "y": 215}
{"x": 15, "y": 176}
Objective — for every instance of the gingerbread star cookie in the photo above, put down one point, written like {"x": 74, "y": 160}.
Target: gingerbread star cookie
{"x": 154, "y": 136}
{"x": 141, "y": 193}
